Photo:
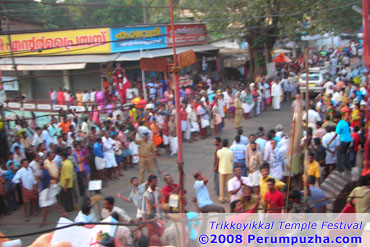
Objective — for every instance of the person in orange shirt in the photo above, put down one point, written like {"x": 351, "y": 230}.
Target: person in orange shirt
{"x": 340, "y": 84}
{"x": 156, "y": 131}
{"x": 65, "y": 125}
{"x": 60, "y": 97}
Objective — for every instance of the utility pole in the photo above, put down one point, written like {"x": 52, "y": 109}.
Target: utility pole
{"x": 13, "y": 59}
{"x": 2, "y": 112}
{"x": 306, "y": 144}
{"x": 144, "y": 12}
{"x": 180, "y": 163}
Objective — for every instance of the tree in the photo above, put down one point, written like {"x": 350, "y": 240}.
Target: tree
{"x": 262, "y": 22}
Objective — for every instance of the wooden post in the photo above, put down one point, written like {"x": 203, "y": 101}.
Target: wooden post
{"x": 291, "y": 149}
{"x": 15, "y": 66}
{"x": 306, "y": 144}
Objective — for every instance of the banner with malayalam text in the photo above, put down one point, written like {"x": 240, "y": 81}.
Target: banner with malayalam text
{"x": 81, "y": 41}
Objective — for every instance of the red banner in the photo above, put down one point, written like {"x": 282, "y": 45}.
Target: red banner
{"x": 187, "y": 34}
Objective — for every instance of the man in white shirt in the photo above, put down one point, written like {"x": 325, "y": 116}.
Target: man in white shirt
{"x": 108, "y": 149}
{"x": 331, "y": 150}
{"x": 67, "y": 96}
{"x": 35, "y": 166}
{"x": 152, "y": 86}
{"x": 337, "y": 97}
{"x": 109, "y": 209}
{"x": 53, "y": 96}
{"x": 85, "y": 127}
{"x": 236, "y": 184}
{"x": 92, "y": 95}
{"x": 29, "y": 189}
{"x": 85, "y": 97}
{"x": 329, "y": 85}
{"x": 37, "y": 138}
{"x": 313, "y": 118}
{"x": 276, "y": 93}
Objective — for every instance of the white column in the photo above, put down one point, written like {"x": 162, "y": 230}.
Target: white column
{"x": 27, "y": 85}
{"x": 66, "y": 80}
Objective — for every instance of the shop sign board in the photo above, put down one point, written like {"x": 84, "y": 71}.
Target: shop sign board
{"x": 187, "y": 34}
{"x": 79, "y": 41}
{"x": 138, "y": 38}
{"x": 10, "y": 83}
{"x": 186, "y": 58}
{"x": 157, "y": 64}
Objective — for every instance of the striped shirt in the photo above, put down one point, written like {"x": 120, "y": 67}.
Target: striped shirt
{"x": 239, "y": 151}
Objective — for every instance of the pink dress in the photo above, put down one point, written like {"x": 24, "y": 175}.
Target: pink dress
{"x": 95, "y": 116}
{"x": 100, "y": 99}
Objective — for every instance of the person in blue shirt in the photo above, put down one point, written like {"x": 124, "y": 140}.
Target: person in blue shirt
{"x": 17, "y": 143}
{"x": 164, "y": 87}
{"x": 11, "y": 188}
{"x": 203, "y": 201}
{"x": 316, "y": 197}
{"x": 344, "y": 133}
{"x": 182, "y": 92}
{"x": 11, "y": 160}
{"x": 261, "y": 141}
{"x": 99, "y": 158}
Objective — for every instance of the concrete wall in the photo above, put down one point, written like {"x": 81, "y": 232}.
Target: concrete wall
{"x": 85, "y": 80}
{"x": 42, "y": 83}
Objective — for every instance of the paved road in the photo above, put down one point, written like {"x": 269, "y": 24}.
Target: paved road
{"x": 197, "y": 156}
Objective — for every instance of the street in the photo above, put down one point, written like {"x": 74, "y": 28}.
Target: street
{"x": 198, "y": 156}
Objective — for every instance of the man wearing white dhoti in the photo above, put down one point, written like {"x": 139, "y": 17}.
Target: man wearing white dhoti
{"x": 173, "y": 135}
{"x": 276, "y": 93}
{"x": 108, "y": 149}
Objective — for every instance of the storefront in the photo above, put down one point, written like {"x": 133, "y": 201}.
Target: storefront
{"x": 76, "y": 59}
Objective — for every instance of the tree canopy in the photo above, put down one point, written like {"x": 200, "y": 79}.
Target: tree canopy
{"x": 262, "y": 22}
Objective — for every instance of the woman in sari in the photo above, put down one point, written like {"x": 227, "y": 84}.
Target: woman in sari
{"x": 230, "y": 105}
{"x": 156, "y": 132}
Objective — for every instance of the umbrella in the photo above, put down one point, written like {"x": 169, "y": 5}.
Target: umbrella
{"x": 281, "y": 58}
{"x": 281, "y": 51}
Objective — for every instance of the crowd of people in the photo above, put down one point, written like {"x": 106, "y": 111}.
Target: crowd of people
{"x": 51, "y": 165}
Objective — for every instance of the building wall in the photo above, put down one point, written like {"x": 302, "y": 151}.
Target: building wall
{"x": 42, "y": 83}
{"x": 87, "y": 80}
{"x": 19, "y": 25}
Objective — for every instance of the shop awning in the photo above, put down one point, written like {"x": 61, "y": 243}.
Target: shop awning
{"x": 134, "y": 56}
{"x": 25, "y": 67}
{"x": 47, "y": 60}
{"x": 79, "y": 61}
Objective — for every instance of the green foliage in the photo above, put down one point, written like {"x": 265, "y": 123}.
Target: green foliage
{"x": 262, "y": 22}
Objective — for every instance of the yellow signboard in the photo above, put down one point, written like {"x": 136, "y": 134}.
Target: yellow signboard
{"x": 81, "y": 41}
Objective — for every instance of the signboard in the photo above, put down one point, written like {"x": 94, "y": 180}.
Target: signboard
{"x": 153, "y": 64}
{"x": 29, "y": 106}
{"x": 10, "y": 83}
{"x": 186, "y": 58}
{"x": 137, "y": 38}
{"x": 187, "y": 34}
{"x": 81, "y": 41}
